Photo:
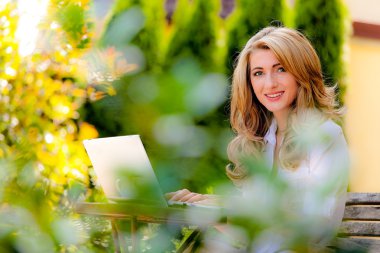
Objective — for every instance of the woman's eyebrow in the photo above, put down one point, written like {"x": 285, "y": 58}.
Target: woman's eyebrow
{"x": 256, "y": 68}
{"x": 274, "y": 65}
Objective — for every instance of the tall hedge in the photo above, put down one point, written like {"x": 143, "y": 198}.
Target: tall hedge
{"x": 248, "y": 18}
{"x": 195, "y": 31}
{"x": 323, "y": 21}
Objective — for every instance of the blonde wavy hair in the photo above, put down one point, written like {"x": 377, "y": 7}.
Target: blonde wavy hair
{"x": 250, "y": 120}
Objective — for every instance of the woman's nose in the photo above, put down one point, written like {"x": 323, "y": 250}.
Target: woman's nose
{"x": 270, "y": 81}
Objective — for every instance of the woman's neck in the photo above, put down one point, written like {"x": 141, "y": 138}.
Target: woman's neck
{"x": 282, "y": 120}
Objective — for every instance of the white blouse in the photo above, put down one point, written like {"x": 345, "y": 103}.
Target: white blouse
{"x": 324, "y": 169}
{"x": 316, "y": 192}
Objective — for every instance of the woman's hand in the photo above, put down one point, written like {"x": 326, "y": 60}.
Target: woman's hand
{"x": 184, "y": 195}
{"x": 187, "y": 196}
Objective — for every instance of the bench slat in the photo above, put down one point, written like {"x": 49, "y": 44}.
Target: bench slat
{"x": 362, "y": 198}
{"x": 362, "y": 213}
{"x": 372, "y": 244}
{"x": 361, "y": 228}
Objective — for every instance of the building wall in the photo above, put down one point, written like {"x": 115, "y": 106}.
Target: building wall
{"x": 363, "y": 115}
{"x": 364, "y": 10}
{"x": 362, "y": 122}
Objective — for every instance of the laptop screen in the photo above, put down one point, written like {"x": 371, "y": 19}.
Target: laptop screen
{"x": 123, "y": 169}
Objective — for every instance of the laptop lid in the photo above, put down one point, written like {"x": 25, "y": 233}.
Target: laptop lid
{"x": 123, "y": 169}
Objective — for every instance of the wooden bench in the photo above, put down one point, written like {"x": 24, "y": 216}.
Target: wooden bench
{"x": 361, "y": 222}
{"x": 360, "y": 227}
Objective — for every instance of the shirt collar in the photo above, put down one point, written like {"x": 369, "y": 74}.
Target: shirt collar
{"x": 270, "y": 136}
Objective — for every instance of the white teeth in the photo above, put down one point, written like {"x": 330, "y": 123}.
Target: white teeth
{"x": 274, "y": 95}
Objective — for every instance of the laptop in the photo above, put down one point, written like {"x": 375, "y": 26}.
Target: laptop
{"x": 124, "y": 171}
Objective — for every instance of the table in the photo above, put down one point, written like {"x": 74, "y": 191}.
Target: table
{"x": 135, "y": 213}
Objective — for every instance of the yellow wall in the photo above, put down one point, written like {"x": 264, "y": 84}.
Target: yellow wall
{"x": 362, "y": 122}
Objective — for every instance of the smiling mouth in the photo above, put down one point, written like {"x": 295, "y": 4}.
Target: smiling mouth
{"x": 275, "y": 95}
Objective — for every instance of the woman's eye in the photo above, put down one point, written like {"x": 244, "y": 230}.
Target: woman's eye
{"x": 258, "y": 73}
{"x": 281, "y": 69}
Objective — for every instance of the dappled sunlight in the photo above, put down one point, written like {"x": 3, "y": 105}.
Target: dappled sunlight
{"x": 30, "y": 12}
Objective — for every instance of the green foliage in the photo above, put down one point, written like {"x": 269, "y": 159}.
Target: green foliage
{"x": 179, "y": 116}
{"x": 323, "y": 21}
{"x": 247, "y": 19}
{"x": 177, "y": 119}
{"x": 175, "y": 103}
{"x": 120, "y": 5}
{"x": 149, "y": 102}
{"x": 146, "y": 29}
{"x": 195, "y": 32}
{"x": 151, "y": 39}
{"x": 72, "y": 17}
{"x": 130, "y": 22}
{"x": 41, "y": 85}
{"x": 42, "y": 157}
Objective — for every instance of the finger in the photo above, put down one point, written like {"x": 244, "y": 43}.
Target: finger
{"x": 190, "y": 196}
{"x": 196, "y": 198}
{"x": 169, "y": 195}
{"x": 207, "y": 202}
{"x": 180, "y": 194}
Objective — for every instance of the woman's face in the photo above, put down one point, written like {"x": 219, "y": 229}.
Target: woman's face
{"x": 273, "y": 86}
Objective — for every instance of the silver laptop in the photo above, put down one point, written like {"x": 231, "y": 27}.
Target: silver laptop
{"x": 123, "y": 169}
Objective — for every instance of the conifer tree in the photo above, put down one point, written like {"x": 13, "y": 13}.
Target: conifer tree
{"x": 323, "y": 22}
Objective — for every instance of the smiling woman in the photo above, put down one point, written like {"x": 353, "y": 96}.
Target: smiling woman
{"x": 282, "y": 113}
{"x": 284, "y": 90}
{"x": 273, "y": 86}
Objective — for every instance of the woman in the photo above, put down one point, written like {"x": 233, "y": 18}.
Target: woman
{"x": 278, "y": 103}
